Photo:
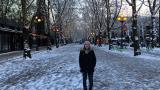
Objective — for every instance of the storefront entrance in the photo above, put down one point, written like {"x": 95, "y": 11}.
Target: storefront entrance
{"x": 10, "y": 41}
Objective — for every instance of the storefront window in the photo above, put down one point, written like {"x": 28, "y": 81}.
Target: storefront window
{"x": 10, "y": 42}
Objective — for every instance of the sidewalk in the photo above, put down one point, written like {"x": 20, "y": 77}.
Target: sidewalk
{"x": 128, "y": 52}
{"x": 5, "y": 56}
{"x": 19, "y": 54}
{"x": 155, "y": 51}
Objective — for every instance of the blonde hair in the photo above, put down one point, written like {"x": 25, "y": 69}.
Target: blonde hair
{"x": 88, "y": 43}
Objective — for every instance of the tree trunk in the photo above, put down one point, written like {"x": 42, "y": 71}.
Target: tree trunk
{"x": 24, "y": 19}
{"x": 159, "y": 27}
{"x": 24, "y": 12}
{"x": 153, "y": 29}
{"x": 108, "y": 27}
{"x": 25, "y": 30}
{"x": 134, "y": 29}
{"x": 6, "y": 10}
{"x": 2, "y": 12}
{"x": 48, "y": 16}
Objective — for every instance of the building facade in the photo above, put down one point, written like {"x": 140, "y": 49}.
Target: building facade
{"x": 11, "y": 37}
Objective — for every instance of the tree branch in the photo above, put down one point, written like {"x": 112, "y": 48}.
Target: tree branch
{"x": 140, "y": 6}
{"x": 150, "y": 6}
{"x": 30, "y": 4}
{"x": 64, "y": 6}
{"x": 157, "y": 9}
{"x": 130, "y": 3}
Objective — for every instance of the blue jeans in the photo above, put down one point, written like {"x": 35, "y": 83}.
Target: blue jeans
{"x": 90, "y": 76}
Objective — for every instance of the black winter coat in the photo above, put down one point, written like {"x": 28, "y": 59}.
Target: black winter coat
{"x": 87, "y": 62}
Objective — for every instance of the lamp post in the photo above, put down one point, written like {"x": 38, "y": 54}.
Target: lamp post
{"x": 37, "y": 20}
{"x": 122, "y": 19}
{"x": 92, "y": 34}
{"x": 56, "y": 30}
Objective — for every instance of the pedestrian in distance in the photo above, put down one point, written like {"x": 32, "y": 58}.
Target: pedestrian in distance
{"x": 27, "y": 50}
{"x": 87, "y": 63}
{"x": 49, "y": 45}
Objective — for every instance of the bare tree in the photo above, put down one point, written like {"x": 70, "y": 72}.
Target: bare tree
{"x": 135, "y": 37}
{"x": 102, "y": 17}
{"x": 24, "y": 12}
{"x": 154, "y": 6}
{"x": 6, "y": 10}
{"x": 62, "y": 12}
{"x": 109, "y": 21}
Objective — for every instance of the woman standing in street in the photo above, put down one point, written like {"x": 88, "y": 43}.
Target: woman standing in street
{"x": 87, "y": 63}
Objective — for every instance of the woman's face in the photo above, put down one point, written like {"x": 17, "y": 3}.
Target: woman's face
{"x": 87, "y": 45}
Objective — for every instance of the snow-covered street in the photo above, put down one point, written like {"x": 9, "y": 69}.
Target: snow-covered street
{"x": 59, "y": 70}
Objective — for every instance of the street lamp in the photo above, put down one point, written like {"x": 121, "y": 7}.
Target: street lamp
{"x": 92, "y": 34}
{"x": 36, "y": 17}
{"x": 38, "y": 20}
{"x": 122, "y": 19}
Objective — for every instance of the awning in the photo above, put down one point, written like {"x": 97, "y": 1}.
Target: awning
{"x": 9, "y": 30}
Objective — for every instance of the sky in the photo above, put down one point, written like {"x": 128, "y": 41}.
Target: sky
{"x": 127, "y": 10}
